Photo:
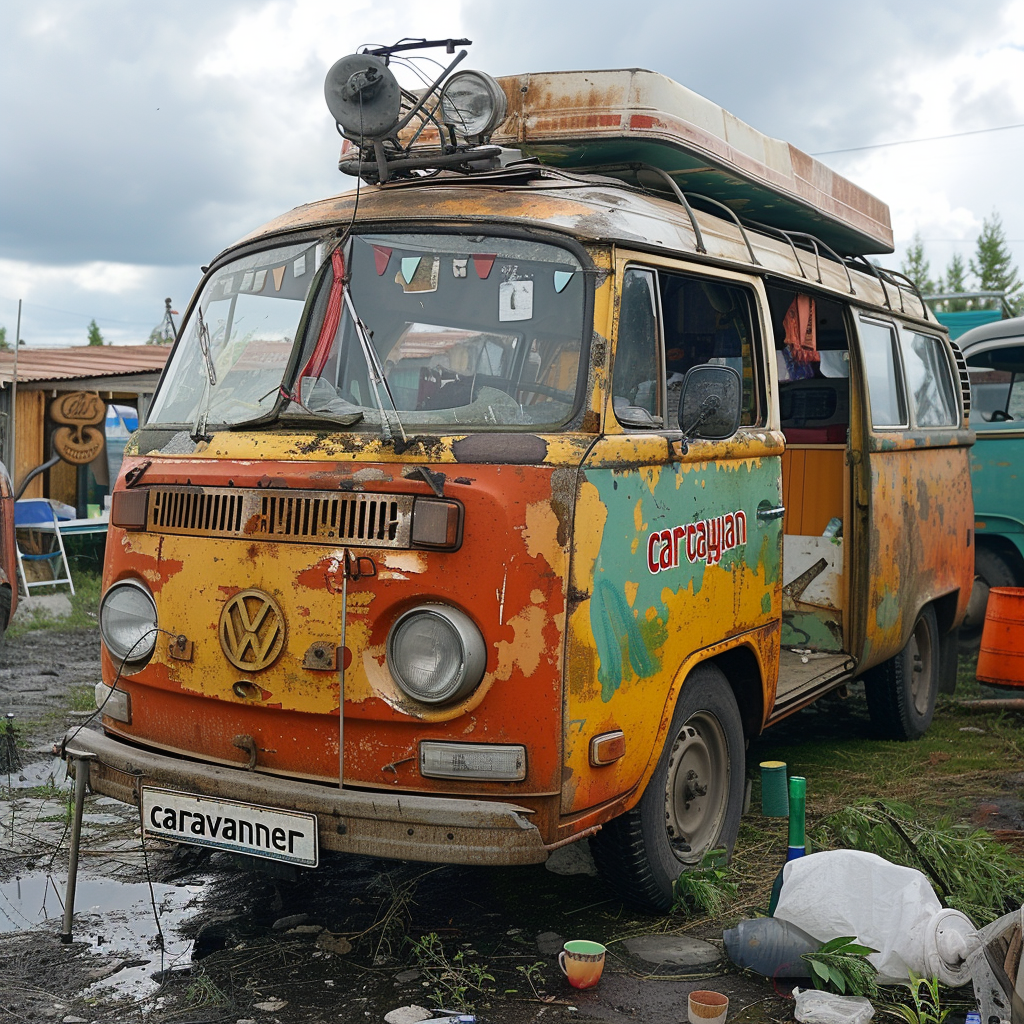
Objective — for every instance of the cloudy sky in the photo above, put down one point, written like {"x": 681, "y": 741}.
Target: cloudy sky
{"x": 137, "y": 139}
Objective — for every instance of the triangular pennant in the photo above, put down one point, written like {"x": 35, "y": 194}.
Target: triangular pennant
{"x": 482, "y": 263}
{"x": 278, "y": 273}
{"x": 562, "y": 278}
{"x": 409, "y": 267}
{"x": 381, "y": 255}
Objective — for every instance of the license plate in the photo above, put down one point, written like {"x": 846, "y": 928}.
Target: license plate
{"x": 268, "y": 832}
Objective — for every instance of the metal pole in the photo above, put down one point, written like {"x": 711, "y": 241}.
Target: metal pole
{"x": 341, "y": 670}
{"x": 81, "y": 781}
{"x": 12, "y": 469}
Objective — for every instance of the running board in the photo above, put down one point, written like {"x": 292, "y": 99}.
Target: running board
{"x": 804, "y": 676}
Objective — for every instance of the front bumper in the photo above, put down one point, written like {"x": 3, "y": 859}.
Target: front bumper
{"x": 399, "y": 826}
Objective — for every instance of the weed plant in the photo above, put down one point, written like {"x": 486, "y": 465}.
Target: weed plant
{"x": 926, "y": 1008}
{"x": 842, "y": 966}
{"x": 455, "y": 978}
{"x": 707, "y": 889}
{"x": 970, "y": 870}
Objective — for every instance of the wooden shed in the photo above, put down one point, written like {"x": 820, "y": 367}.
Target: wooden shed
{"x": 33, "y": 379}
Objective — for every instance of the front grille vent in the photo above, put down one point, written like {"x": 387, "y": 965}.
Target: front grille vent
{"x": 965, "y": 378}
{"x": 311, "y": 517}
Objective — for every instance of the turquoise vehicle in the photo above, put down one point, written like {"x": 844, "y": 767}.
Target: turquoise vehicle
{"x": 995, "y": 362}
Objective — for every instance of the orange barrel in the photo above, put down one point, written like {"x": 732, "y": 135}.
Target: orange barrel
{"x": 1001, "y": 658}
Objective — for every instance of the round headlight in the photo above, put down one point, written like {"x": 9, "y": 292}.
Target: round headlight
{"x": 436, "y": 654}
{"x": 473, "y": 104}
{"x": 128, "y": 621}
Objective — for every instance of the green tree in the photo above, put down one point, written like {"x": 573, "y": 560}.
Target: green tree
{"x": 95, "y": 338}
{"x": 956, "y": 281}
{"x": 993, "y": 266}
{"x": 5, "y": 345}
{"x": 917, "y": 267}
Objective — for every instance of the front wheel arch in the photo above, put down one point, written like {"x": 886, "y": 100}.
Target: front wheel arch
{"x": 692, "y": 802}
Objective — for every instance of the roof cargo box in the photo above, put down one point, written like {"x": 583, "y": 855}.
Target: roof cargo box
{"x": 607, "y": 119}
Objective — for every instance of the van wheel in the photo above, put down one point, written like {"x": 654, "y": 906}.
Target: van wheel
{"x": 692, "y": 803}
{"x": 901, "y": 691}
{"x": 989, "y": 571}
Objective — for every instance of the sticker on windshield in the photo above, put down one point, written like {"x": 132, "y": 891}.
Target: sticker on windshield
{"x": 259, "y": 280}
{"x": 418, "y": 273}
{"x": 482, "y": 263}
{"x": 562, "y": 278}
{"x": 515, "y": 300}
{"x": 459, "y": 267}
{"x": 247, "y": 281}
{"x": 278, "y": 273}
{"x": 381, "y": 258}
{"x": 299, "y": 266}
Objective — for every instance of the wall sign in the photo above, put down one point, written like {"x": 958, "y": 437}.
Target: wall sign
{"x": 78, "y": 441}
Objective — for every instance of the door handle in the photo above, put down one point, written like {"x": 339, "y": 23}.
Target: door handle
{"x": 766, "y": 512}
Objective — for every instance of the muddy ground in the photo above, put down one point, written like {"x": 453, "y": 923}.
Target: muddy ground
{"x": 172, "y": 934}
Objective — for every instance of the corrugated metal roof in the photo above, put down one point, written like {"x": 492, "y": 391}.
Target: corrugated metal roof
{"x": 42, "y": 364}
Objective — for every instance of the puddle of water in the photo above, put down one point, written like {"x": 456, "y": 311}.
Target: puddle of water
{"x": 115, "y": 918}
{"x": 40, "y": 773}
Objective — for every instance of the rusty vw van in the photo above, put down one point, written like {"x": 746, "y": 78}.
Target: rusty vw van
{"x": 497, "y": 503}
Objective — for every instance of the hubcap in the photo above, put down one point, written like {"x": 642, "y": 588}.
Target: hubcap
{"x": 697, "y": 788}
{"x": 921, "y": 655}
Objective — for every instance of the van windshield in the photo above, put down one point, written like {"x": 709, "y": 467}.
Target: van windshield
{"x": 463, "y": 332}
{"x": 478, "y": 332}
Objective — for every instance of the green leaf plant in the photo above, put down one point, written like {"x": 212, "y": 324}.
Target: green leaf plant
{"x": 842, "y": 966}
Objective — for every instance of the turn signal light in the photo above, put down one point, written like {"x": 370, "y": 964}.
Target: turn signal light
{"x": 607, "y": 747}
{"x": 436, "y": 523}
{"x": 128, "y": 509}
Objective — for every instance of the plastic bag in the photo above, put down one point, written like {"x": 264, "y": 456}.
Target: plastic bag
{"x": 891, "y": 908}
{"x": 816, "y": 1007}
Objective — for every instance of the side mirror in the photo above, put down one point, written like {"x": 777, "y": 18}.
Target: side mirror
{"x": 710, "y": 403}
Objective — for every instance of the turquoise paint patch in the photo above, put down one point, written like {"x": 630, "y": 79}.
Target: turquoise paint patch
{"x": 617, "y": 636}
{"x": 888, "y": 612}
{"x": 677, "y": 499}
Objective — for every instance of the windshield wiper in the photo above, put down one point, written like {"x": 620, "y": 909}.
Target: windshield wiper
{"x": 199, "y": 429}
{"x": 376, "y": 371}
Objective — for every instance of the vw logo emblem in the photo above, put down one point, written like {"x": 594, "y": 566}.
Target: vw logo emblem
{"x": 252, "y": 630}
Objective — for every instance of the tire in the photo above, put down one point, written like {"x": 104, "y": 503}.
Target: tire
{"x": 901, "y": 691}
{"x": 641, "y": 853}
{"x": 990, "y": 570}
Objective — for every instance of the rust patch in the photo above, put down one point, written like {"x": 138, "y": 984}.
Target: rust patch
{"x": 509, "y": 449}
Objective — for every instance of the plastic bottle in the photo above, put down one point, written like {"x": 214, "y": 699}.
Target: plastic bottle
{"x": 797, "y": 806}
{"x": 770, "y": 947}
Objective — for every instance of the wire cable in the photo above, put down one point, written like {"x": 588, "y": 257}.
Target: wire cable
{"x": 910, "y": 142}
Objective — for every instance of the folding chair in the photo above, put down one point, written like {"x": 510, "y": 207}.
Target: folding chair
{"x": 38, "y": 515}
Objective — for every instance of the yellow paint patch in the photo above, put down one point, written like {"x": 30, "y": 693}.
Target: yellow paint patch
{"x": 587, "y": 543}
{"x": 525, "y": 649}
{"x": 631, "y": 589}
{"x": 406, "y": 561}
{"x": 541, "y": 533}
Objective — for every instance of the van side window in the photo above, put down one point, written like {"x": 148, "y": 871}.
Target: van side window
{"x": 997, "y": 384}
{"x": 812, "y": 354}
{"x": 929, "y": 380}
{"x": 707, "y": 321}
{"x": 636, "y": 374}
{"x": 881, "y": 361}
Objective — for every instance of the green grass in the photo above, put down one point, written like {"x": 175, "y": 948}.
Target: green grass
{"x": 84, "y": 607}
